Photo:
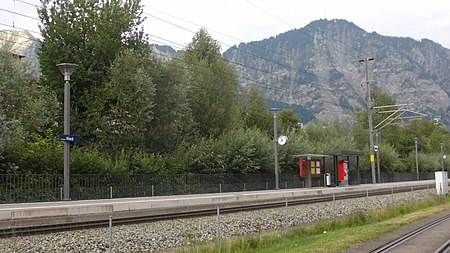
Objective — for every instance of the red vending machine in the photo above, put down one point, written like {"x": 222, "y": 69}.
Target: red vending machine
{"x": 343, "y": 172}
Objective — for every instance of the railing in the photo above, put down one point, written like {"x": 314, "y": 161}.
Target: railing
{"x": 40, "y": 187}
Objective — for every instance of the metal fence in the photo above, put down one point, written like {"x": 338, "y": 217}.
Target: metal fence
{"x": 44, "y": 187}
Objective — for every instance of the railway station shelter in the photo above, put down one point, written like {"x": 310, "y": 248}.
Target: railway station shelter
{"x": 342, "y": 173}
{"x": 311, "y": 165}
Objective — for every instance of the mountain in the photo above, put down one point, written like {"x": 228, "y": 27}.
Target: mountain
{"x": 22, "y": 44}
{"x": 164, "y": 51}
{"x": 317, "y": 69}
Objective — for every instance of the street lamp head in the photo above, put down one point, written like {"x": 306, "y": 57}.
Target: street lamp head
{"x": 274, "y": 109}
{"x": 66, "y": 69}
{"x": 416, "y": 139}
{"x": 366, "y": 59}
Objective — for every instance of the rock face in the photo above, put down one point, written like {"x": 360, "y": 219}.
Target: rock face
{"x": 317, "y": 68}
{"x": 22, "y": 44}
{"x": 316, "y": 71}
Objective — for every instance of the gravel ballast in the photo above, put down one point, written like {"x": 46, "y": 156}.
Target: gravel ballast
{"x": 157, "y": 236}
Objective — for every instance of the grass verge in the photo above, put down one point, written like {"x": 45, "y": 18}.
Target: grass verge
{"x": 329, "y": 235}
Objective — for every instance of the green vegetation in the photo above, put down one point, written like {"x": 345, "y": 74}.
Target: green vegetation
{"x": 139, "y": 113}
{"x": 330, "y": 235}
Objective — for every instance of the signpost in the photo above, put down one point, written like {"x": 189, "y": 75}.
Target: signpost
{"x": 69, "y": 138}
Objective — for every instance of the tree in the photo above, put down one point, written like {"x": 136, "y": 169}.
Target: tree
{"x": 256, "y": 112}
{"x": 22, "y": 98}
{"x": 213, "y": 87}
{"x": 89, "y": 33}
{"x": 288, "y": 120}
{"x": 128, "y": 102}
{"x": 172, "y": 121}
{"x": 329, "y": 135}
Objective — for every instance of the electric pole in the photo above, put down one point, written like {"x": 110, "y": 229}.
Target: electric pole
{"x": 369, "y": 112}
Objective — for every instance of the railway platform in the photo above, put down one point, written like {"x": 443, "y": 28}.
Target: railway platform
{"x": 92, "y": 209}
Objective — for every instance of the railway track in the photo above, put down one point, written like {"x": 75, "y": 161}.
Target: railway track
{"x": 393, "y": 245}
{"x": 50, "y": 228}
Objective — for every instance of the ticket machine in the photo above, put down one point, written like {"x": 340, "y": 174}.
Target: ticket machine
{"x": 343, "y": 173}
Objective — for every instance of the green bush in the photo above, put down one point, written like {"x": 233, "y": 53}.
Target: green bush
{"x": 89, "y": 161}
{"x": 428, "y": 162}
{"x": 236, "y": 151}
{"x": 245, "y": 151}
{"x": 38, "y": 154}
{"x": 143, "y": 163}
{"x": 201, "y": 157}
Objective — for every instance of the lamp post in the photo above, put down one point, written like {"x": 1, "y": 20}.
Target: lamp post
{"x": 442, "y": 155}
{"x": 416, "y": 140}
{"x": 275, "y": 111}
{"x": 369, "y": 112}
{"x": 377, "y": 149}
{"x": 67, "y": 70}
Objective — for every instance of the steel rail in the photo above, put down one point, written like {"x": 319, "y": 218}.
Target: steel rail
{"x": 444, "y": 247}
{"x": 422, "y": 229}
{"x": 51, "y": 228}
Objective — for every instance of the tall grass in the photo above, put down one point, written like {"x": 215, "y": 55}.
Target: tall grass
{"x": 315, "y": 235}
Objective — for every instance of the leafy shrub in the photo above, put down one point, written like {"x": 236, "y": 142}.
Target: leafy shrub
{"x": 202, "y": 157}
{"x": 40, "y": 154}
{"x": 245, "y": 151}
{"x": 143, "y": 163}
{"x": 89, "y": 161}
{"x": 428, "y": 162}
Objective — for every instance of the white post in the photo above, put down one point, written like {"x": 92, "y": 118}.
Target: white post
{"x": 110, "y": 234}
{"x": 392, "y": 194}
{"x": 218, "y": 227}
{"x": 334, "y": 205}
{"x": 286, "y": 222}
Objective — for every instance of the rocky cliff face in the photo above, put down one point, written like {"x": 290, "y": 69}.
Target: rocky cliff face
{"x": 22, "y": 44}
{"x": 316, "y": 71}
{"x": 317, "y": 68}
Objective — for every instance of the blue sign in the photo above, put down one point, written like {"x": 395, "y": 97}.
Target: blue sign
{"x": 68, "y": 138}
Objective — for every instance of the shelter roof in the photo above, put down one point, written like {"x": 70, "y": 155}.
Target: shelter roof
{"x": 311, "y": 156}
{"x": 343, "y": 152}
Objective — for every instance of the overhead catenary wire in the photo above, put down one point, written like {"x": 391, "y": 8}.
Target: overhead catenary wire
{"x": 249, "y": 53}
{"x": 312, "y": 27}
{"x": 252, "y": 54}
{"x": 193, "y": 32}
{"x": 180, "y": 46}
{"x": 267, "y": 72}
{"x": 255, "y": 81}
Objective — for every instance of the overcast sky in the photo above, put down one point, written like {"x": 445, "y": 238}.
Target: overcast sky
{"x": 233, "y": 21}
